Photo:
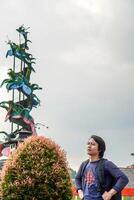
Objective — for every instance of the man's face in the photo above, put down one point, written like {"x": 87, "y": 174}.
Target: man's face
{"x": 92, "y": 148}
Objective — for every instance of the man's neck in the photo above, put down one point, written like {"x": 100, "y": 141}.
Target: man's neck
{"x": 94, "y": 158}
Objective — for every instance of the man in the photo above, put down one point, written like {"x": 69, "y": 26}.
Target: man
{"x": 88, "y": 181}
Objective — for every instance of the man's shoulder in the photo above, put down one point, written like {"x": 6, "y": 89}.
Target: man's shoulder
{"x": 108, "y": 164}
{"x": 85, "y": 161}
{"x": 83, "y": 165}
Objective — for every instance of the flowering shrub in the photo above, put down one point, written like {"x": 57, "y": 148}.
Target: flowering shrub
{"x": 37, "y": 170}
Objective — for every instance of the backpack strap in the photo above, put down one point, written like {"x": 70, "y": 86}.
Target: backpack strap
{"x": 100, "y": 173}
{"x": 84, "y": 164}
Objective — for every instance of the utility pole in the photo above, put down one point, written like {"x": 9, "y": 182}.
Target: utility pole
{"x": 132, "y": 154}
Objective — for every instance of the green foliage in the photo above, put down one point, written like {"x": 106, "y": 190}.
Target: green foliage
{"x": 37, "y": 170}
{"x": 73, "y": 173}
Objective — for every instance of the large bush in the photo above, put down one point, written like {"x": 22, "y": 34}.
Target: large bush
{"x": 37, "y": 170}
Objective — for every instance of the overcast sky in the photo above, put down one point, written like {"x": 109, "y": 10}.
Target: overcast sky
{"x": 85, "y": 64}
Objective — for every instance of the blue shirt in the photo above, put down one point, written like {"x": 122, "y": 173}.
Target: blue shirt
{"x": 91, "y": 182}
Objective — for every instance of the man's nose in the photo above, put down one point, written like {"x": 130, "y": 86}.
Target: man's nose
{"x": 89, "y": 145}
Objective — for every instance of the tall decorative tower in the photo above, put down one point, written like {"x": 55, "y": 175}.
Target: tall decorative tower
{"x": 23, "y": 98}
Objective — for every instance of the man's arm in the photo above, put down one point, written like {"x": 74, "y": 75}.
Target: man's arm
{"x": 78, "y": 179}
{"x": 120, "y": 177}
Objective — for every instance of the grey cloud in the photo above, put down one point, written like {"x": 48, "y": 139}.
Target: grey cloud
{"x": 84, "y": 52}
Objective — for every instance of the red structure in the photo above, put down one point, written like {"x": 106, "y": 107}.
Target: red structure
{"x": 128, "y": 192}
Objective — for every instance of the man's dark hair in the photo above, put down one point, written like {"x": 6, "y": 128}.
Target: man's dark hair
{"x": 101, "y": 144}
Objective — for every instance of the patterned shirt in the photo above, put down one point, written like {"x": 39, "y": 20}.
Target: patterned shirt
{"x": 91, "y": 182}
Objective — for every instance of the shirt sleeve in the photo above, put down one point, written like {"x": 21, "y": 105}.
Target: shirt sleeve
{"x": 121, "y": 179}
